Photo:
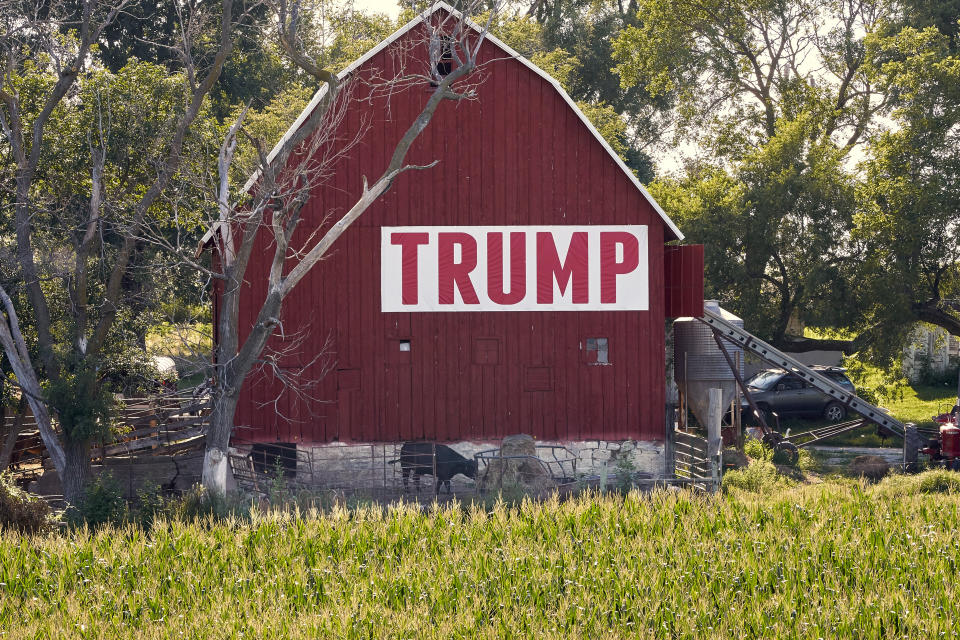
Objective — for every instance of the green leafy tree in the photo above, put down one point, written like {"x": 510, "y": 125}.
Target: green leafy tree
{"x": 907, "y": 229}
{"x": 151, "y": 31}
{"x": 90, "y": 159}
{"x": 775, "y": 96}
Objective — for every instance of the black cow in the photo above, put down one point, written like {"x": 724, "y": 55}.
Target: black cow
{"x": 429, "y": 459}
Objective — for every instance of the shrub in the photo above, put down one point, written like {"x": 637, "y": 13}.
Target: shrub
{"x": 759, "y": 477}
{"x": 103, "y": 504}
{"x": 200, "y": 504}
{"x": 21, "y": 511}
{"x": 876, "y": 386}
{"x": 806, "y": 461}
{"x": 150, "y": 504}
{"x": 756, "y": 451}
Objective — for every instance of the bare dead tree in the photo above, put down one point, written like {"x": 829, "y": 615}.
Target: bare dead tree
{"x": 272, "y": 200}
{"x": 34, "y": 35}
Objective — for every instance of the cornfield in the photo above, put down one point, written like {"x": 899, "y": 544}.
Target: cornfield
{"x": 835, "y": 560}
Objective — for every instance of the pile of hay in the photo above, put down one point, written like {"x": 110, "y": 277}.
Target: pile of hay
{"x": 870, "y": 467}
{"x": 518, "y": 468}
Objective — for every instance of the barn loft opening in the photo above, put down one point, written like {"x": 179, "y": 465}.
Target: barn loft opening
{"x": 444, "y": 66}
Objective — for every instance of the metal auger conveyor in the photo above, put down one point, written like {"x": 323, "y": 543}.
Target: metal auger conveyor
{"x": 758, "y": 347}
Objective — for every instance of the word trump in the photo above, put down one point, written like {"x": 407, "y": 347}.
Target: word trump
{"x": 516, "y": 268}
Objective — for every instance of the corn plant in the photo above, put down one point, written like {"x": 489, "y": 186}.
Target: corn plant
{"x": 843, "y": 559}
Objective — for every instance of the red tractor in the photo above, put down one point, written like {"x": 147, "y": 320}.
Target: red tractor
{"x": 947, "y": 446}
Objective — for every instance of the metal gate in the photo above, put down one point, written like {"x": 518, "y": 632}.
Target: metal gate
{"x": 693, "y": 462}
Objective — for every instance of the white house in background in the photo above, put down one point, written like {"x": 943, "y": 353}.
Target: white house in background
{"x": 930, "y": 346}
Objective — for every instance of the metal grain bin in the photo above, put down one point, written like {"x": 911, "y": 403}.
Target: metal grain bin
{"x": 699, "y": 365}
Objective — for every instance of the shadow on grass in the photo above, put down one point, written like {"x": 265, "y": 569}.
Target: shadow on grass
{"x": 866, "y": 436}
{"x": 945, "y": 393}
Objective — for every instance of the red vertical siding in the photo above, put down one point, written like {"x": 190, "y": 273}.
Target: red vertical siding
{"x": 517, "y": 154}
{"x": 683, "y": 274}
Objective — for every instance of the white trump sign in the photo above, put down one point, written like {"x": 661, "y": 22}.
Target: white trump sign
{"x": 514, "y": 268}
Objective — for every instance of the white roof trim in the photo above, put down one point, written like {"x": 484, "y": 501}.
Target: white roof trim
{"x": 513, "y": 54}
{"x": 596, "y": 134}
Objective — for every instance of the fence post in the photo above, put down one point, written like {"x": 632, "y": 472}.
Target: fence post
{"x": 669, "y": 443}
{"x": 714, "y": 440}
{"x": 911, "y": 447}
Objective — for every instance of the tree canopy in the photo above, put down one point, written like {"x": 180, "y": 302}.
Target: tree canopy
{"x": 822, "y": 164}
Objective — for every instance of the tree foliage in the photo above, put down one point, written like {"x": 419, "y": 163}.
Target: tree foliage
{"x": 907, "y": 228}
{"x": 781, "y": 101}
{"x": 90, "y": 157}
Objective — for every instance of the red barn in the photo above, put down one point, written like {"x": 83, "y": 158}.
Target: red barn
{"x": 431, "y": 331}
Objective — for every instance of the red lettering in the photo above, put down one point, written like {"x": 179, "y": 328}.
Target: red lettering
{"x": 575, "y": 268}
{"x": 450, "y": 273}
{"x": 409, "y": 264}
{"x": 609, "y": 267}
{"x": 518, "y": 268}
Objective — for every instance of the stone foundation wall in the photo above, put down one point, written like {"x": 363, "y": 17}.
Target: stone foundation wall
{"x": 359, "y": 466}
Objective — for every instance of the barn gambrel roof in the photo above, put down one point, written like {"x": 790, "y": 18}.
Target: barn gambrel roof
{"x": 443, "y": 6}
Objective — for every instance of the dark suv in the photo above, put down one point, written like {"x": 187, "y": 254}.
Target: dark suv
{"x": 787, "y": 395}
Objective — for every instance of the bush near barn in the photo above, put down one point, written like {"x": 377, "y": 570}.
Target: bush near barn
{"x": 21, "y": 511}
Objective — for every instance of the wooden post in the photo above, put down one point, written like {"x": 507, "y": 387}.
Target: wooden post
{"x": 911, "y": 447}
{"x": 669, "y": 443}
{"x": 714, "y": 440}
{"x": 737, "y": 407}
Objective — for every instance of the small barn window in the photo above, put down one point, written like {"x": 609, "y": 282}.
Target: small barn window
{"x": 348, "y": 379}
{"x": 404, "y": 345}
{"x": 597, "y": 351}
{"x": 269, "y": 458}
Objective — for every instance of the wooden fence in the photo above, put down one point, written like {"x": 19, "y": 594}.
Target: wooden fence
{"x": 164, "y": 425}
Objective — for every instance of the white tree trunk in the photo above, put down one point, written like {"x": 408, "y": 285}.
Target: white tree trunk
{"x": 217, "y": 477}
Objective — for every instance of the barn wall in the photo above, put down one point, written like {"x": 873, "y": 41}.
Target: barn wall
{"x": 683, "y": 280}
{"x": 515, "y": 155}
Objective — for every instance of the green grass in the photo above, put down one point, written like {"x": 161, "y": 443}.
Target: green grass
{"x": 836, "y": 560}
{"x": 907, "y": 402}
{"x": 862, "y": 437}
{"x": 917, "y": 404}
{"x": 920, "y": 403}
